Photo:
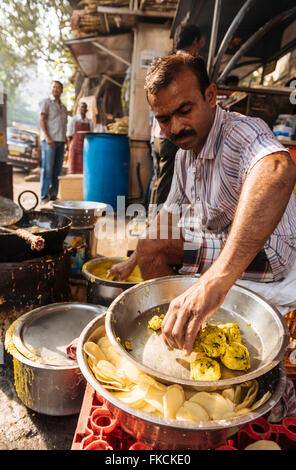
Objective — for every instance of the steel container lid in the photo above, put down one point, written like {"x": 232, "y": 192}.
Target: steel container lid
{"x": 42, "y": 335}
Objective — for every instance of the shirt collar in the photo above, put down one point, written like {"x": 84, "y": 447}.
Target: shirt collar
{"x": 52, "y": 98}
{"x": 208, "y": 149}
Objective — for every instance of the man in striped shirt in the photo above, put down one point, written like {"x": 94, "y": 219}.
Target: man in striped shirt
{"x": 231, "y": 194}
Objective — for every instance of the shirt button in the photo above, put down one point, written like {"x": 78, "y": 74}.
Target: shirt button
{"x": 198, "y": 198}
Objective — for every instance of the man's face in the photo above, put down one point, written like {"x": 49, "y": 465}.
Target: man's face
{"x": 56, "y": 90}
{"x": 83, "y": 109}
{"x": 184, "y": 115}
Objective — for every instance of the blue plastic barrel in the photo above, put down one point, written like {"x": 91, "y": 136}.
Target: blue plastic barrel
{"x": 105, "y": 167}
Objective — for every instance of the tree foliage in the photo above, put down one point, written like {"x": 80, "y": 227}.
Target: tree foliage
{"x": 31, "y": 30}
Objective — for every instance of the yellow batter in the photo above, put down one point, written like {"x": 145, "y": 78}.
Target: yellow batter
{"x": 102, "y": 270}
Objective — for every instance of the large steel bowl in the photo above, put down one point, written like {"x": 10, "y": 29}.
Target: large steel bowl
{"x": 103, "y": 291}
{"x": 263, "y": 329}
{"x": 170, "y": 434}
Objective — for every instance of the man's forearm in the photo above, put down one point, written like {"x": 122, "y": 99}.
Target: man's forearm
{"x": 262, "y": 202}
{"x": 44, "y": 127}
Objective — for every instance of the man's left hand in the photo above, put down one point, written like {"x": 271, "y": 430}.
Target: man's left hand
{"x": 189, "y": 310}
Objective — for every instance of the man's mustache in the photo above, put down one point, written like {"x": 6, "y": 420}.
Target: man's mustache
{"x": 176, "y": 137}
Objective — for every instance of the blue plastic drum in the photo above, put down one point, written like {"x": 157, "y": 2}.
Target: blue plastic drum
{"x": 105, "y": 168}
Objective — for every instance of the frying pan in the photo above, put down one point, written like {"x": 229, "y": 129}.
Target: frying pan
{"x": 55, "y": 229}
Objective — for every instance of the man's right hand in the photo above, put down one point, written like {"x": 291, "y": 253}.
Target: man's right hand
{"x": 49, "y": 141}
{"x": 121, "y": 271}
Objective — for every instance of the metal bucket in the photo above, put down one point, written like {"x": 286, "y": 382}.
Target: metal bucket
{"x": 46, "y": 379}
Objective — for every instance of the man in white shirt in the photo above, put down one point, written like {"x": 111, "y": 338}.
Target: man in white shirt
{"x": 53, "y": 123}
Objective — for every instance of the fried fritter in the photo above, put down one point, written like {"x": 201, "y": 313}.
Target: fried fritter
{"x": 232, "y": 332}
{"x": 211, "y": 340}
{"x": 236, "y": 357}
{"x": 205, "y": 368}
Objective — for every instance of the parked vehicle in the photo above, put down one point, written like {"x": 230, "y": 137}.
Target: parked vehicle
{"x": 23, "y": 147}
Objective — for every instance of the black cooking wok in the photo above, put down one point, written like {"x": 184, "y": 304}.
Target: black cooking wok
{"x": 56, "y": 228}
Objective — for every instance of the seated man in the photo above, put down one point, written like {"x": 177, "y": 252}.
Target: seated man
{"x": 236, "y": 183}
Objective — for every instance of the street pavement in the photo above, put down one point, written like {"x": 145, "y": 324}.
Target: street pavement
{"x": 20, "y": 427}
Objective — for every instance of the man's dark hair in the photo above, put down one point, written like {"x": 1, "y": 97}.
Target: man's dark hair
{"x": 231, "y": 80}
{"x": 165, "y": 69}
{"x": 185, "y": 35}
{"x": 59, "y": 83}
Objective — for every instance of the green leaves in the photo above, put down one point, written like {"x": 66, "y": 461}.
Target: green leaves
{"x": 31, "y": 30}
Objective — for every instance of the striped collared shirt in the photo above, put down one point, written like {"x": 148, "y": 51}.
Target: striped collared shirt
{"x": 206, "y": 187}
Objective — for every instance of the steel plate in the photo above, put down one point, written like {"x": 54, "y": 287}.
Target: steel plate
{"x": 263, "y": 330}
{"x": 10, "y": 212}
{"x": 44, "y": 333}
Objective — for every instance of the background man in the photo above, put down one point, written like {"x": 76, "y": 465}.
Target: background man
{"x": 77, "y": 124}
{"x": 53, "y": 123}
{"x": 237, "y": 178}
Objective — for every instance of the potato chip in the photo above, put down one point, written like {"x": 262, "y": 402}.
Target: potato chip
{"x": 94, "y": 352}
{"x": 113, "y": 388}
{"x": 191, "y": 411}
{"x": 107, "y": 380}
{"x": 135, "y": 397}
{"x": 110, "y": 352}
{"x": 215, "y": 405}
{"x": 155, "y": 398}
{"x": 262, "y": 400}
{"x": 137, "y": 376}
{"x": 147, "y": 408}
{"x": 237, "y": 394}
{"x": 97, "y": 334}
{"x": 173, "y": 399}
{"x": 104, "y": 342}
{"x": 110, "y": 372}
{"x": 228, "y": 393}
{"x": 250, "y": 396}
{"x": 183, "y": 414}
{"x": 263, "y": 444}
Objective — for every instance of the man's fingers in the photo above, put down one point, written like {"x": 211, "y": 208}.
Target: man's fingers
{"x": 167, "y": 327}
{"x": 193, "y": 327}
{"x": 179, "y": 329}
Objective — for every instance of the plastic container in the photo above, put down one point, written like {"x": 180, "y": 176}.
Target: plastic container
{"x": 105, "y": 167}
{"x": 283, "y": 127}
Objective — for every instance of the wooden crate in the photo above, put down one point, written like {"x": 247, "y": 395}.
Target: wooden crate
{"x": 71, "y": 187}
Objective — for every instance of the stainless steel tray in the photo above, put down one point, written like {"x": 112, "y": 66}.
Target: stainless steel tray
{"x": 263, "y": 329}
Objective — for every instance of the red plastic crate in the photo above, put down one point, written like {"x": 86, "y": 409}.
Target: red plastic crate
{"x": 283, "y": 434}
{"x": 98, "y": 430}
